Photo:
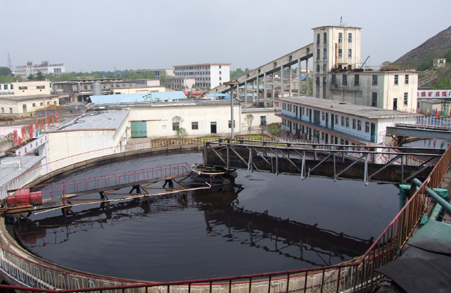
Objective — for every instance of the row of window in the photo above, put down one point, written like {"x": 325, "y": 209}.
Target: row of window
{"x": 340, "y": 53}
{"x": 340, "y": 38}
{"x": 193, "y": 73}
{"x": 5, "y": 87}
{"x": 24, "y": 106}
{"x": 194, "y": 67}
{"x": 195, "y": 125}
{"x": 345, "y": 121}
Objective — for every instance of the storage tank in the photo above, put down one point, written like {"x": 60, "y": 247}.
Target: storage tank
{"x": 97, "y": 89}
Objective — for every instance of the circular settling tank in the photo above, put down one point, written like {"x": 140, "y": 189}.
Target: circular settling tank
{"x": 274, "y": 223}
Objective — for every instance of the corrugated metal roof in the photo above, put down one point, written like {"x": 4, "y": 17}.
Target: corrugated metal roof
{"x": 138, "y": 97}
{"x": 108, "y": 119}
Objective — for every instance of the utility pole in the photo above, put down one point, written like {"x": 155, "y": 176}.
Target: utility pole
{"x": 231, "y": 84}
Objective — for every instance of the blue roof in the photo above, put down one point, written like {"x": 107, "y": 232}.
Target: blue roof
{"x": 221, "y": 96}
{"x": 139, "y": 97}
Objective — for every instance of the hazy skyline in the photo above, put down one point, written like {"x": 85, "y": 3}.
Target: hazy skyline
{"x": 136, "y": 34}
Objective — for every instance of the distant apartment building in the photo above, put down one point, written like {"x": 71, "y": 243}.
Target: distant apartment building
{"x": 45, "y": 68}
{"x": 26, "y": 88}
{"x": 181, "y": 83}
{"x": 24, "y": 98}
{"x": 206, "y": 75}
{"x": 339, "y": 75}
{"x": 158, "y": 72}
{"x": 80, "y": 89}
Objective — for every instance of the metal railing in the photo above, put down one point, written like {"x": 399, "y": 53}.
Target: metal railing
{"x": 357, "y": 275}
{"x": 55, "y": 191}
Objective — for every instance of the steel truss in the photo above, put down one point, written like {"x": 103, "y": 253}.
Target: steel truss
{"x": 324, "y": 160}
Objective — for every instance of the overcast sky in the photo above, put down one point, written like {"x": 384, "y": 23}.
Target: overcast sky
{"x": 136, "y": 34}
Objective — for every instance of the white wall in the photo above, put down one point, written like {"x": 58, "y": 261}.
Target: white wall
{"x": 159, "y": 119}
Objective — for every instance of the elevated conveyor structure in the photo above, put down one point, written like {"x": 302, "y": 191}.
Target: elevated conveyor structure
{"x": 271, "y": 75}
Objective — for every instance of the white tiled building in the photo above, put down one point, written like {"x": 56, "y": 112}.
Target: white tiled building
{"x": 206, "y": 75}
{"x": 338, "y": 122}
{"x": 45, "y": 68}
{"x": 339, "y": 74}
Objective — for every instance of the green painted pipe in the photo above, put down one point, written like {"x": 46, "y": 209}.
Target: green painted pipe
{"x": 434, "y": 195}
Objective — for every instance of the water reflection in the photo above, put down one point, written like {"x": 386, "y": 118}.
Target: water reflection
{"x": 223, "y": 217}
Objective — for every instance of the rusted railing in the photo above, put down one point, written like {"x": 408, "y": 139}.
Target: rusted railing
{"x": 357, "y": 275}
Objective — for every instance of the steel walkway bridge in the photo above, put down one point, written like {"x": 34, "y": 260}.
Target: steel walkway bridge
{"x": 111, "y": 187}
{"x": 367, "y": 163}
{"x": 270, "y": 76}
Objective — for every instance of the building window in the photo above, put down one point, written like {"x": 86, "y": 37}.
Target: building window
{"x": 318, "y": 54}
{"x": 374, "y": 80}
{"x": 354, "y": 124}
{"x": 41, "y": 104}
{"x": 325, "y": 53}
{"x": 406, "y": 98}
{"x": 325, "y": 37}
{"x": 342, "y": 120}
{"x": 5, "y": 86}
{"x": 349, "y": 37}
{"x": 367, "y": 127}
{"x": 359, "y": 125}
{"x": 347, "y": 122}
{"x": 374, "y": 99}
{"x": 406, "y": 79}
{"x": 317, "y": 67}
{"x": 340, "y": 53}
{"x": 357, "y": 79}
{"x": 24, "y": 107}
{"x": 23, "y": 88}
{"x": 3, "y": 110}
{"x": 318, "y": 38}
{"x": 396, "y": 79}
{"x": 230, "y": 123}
{"x": 40, "y": 87}
{"x": 11, "y": 110}
{"x": 324, "y": 67}
{"x": 336, "y": 119}
{"x": 220, "y": 78}
{"x": 175, "y": 126}
{"x": 349, "y": 53}
{"x": 195, "y": 125}
{"x": 33, "y": 105}
{"x": 85, "y": 87}
{"x": 340, "y": 37}
{"x": 219, "y": 72}
{"x": 345, "y": 80}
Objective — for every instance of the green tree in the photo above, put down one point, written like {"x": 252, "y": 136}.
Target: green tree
{"x": 238, "y": 72}
{"x": 443, "y": 83}
{"x": 274, "y": 129}
{"x": 8, "y": 78}
{"x": 30, "y": 77}
{"x": 176, "y": 125}
{"x": 164, "y": 79}
{"x": 39, "y": 76}
{"x": 4, "y": 71}
{"x": 249, "y": 118}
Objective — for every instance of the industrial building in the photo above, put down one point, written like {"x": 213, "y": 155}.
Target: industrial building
{"x": 338, "y": 122}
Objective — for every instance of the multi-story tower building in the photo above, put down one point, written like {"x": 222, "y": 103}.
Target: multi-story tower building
{"x": 206, "y": 75}
{"x": 339, "y": 74}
